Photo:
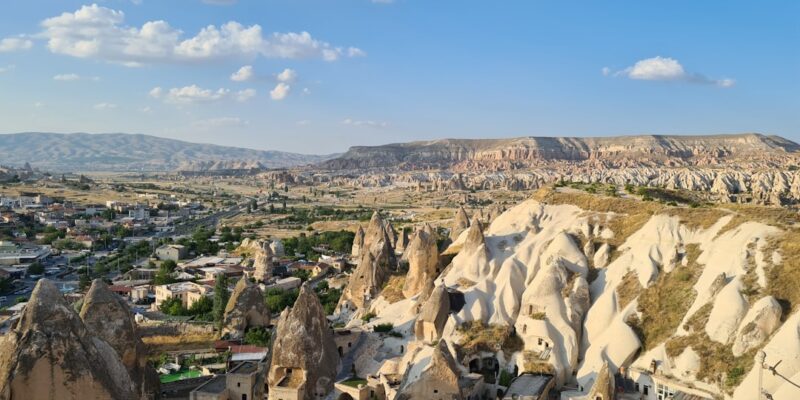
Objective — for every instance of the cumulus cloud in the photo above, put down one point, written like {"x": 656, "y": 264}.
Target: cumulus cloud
{"x": 194, "y": 94}
{"x": 245, "y": 95}
{"x": 101, "y": 33}
{"x": 14, "y": 44}
{"x": 104, "y": 106}
{"x": 369, "y": 123}
{"x": 243, "y": 74}
{"x": 665, "y": 69}
{"x": 287, "y": 75}
{"x": 280, "y": 91}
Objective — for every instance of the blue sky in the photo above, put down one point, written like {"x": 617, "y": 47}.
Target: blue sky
{"x": 320, "y": 76}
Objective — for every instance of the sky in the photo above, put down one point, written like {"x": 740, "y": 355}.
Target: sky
{"x": 319, "y": 76}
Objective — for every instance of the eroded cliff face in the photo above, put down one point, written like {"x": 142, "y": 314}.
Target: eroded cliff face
{"x": 534, "y": 151}
{"x": 589, "y": 284}
{"x": 50, "y": 354}
{"x": 108, "y": 317}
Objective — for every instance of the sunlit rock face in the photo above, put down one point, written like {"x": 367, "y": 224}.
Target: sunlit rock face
{"x": 50, "y": 354}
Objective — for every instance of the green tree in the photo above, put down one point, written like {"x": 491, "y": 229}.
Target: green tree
{"x": 169, "y": 265}
{"x": 173, "y": 306}
{"x": 35, "y": 269}
{"x": 163, "y": 276}
{"x": 220, "y": 298}
{"x": 257, "y": 337}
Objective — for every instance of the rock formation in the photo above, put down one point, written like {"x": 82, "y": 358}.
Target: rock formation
{"x": 460, "y": 224}
{"x": 423, "y": 261}
{"x": 107, "y": 316}
{"x": 433, "y": 316}
{"x": 277, "y": 248}
{"x": 358, "y": 242}
{"x": 604, "y": 387}
{"x": 262, "y": 264}
{"x": 402, "y": 241}
{"x": 366, "y": 281}
{"x": 304, "y": 355}
{"x": 49, "y": 354}
{"x": 439, "y": 376}
{"x": 245, "y": 309}
{"x": 516, "y": 153}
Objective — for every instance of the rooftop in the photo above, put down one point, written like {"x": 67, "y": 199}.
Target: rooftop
{"x": 528, "y": 384}
{"x": 216, "y": 385}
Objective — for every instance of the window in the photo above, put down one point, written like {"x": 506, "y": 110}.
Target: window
{"x": 636, "y": 386}
{"x": 646, "y": 390}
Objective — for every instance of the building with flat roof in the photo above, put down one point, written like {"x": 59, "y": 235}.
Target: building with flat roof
{"x": 188, "y": 292}
{"x": 529, "y": 387}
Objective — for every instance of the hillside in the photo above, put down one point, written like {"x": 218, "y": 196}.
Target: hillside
{"x": 134, "y": 152}
{"x": 647, "y": 150}
{"x": 572, "y": 284}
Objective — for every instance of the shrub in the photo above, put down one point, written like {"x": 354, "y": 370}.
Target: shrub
{"x": 383, "y": 328}
{"x": 368, "y": 316}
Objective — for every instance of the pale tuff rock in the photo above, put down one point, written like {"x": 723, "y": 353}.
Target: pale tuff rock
{"x": 460, "y": 224}
{"x": 439, "y": 375}
{"x": 358, "y": 242}
{"x": 368, "y": 278}
{"x": 402, "y": 241}
{"x": 108, "y": 316}
{"x": 49, "y": 354}
{"x": 783, "y": 346}
{"x": 728, "y": 310}
{"x": 423, "y": 260}
{"x": 277, "y": 248}
{"x": 604, "y": 387}
{"x": 304, "y": 350}
{"x": 375, "y": 263}
{"x": 391, "y": 234}
{"x": 433, "y": 316}
{"x": 757, "y": 326}
{"x": 262, "y": 264}
{"x": 245, "y": 309}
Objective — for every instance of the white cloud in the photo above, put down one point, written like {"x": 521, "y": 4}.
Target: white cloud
{"x": 665, "y": 69}
{"x": 75, "y": 77}
{"x": 243, "y": 74}
{"x": 104, "y": 106}
{"x": 146, "y": 109}
{"x": 245, "y": 95}
{"x": 156, "y": 92}
{"x": 656, "y": 69}
{"x": 189, "y": 94}
{"x": 66, "y": 77}
{"x": 193, "y": 94}
{"x": 280, "y": 91}
{"x": 287, "y": 75}
{"x": 369, "y": 123}
{"x": 100, "y": 33}
{"x": 14, "y": 44}
{"x": 7, "y": 68}
{"x": 304, "y": 122}
{"x": 355, "y": 52}
{"x": 38, "y": 104}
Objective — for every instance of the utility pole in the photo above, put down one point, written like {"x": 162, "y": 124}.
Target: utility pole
{"x": 761, "y": 358}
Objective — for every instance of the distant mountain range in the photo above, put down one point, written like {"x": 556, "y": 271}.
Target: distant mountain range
{"x": 135, "y": 152}
{"x": 522, "y": 152}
